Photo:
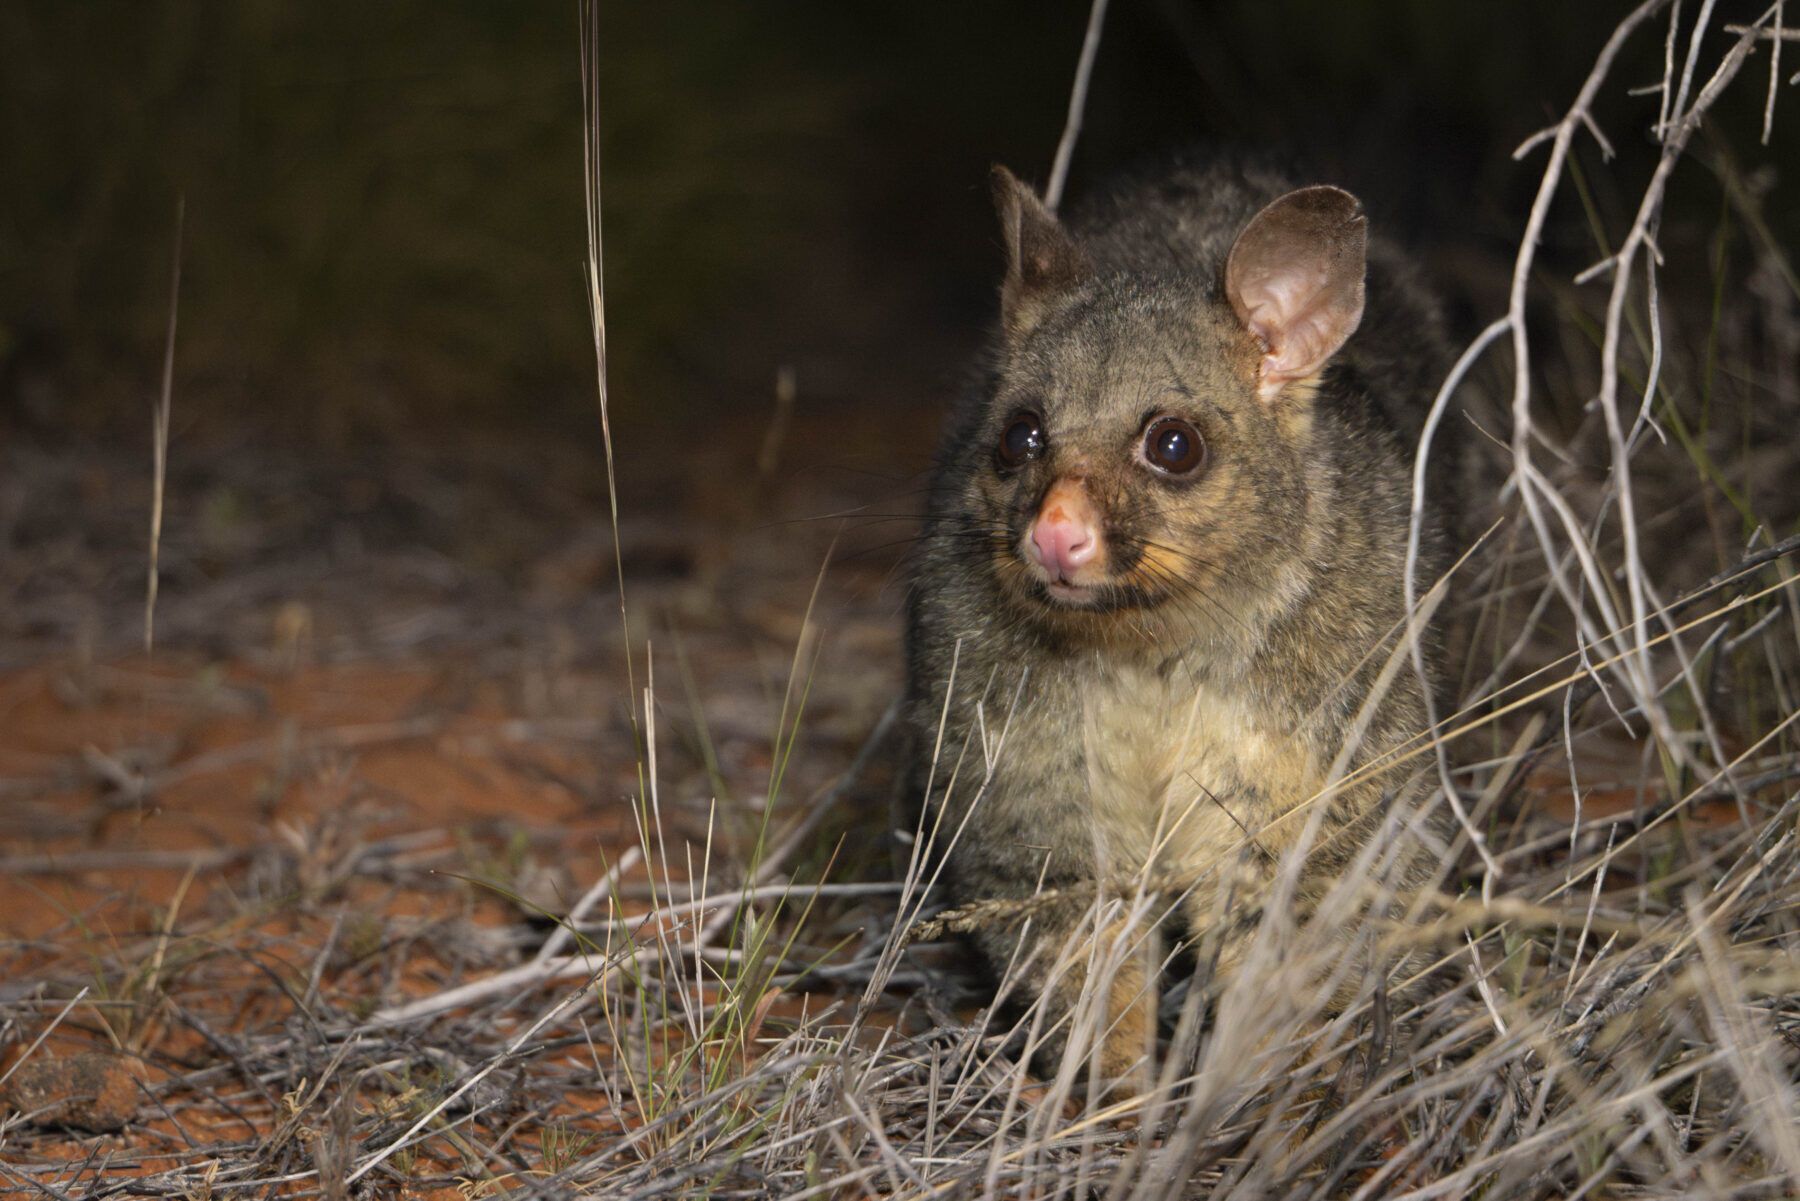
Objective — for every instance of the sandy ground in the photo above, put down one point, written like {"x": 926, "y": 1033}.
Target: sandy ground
{"x": 386, "y": 727}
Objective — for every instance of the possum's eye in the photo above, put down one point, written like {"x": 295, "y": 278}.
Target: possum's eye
{"x": 1022, "y": 441}
{"x": 1174, "y": 447}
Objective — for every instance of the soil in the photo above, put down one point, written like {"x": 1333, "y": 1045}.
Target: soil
{"x": 388, "y": 727}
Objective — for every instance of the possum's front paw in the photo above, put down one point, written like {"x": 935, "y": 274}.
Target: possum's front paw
{"x": 1125, "y": 1059}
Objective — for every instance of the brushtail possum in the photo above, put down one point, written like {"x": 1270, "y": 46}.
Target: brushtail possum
{"x": 1161, "y": 570}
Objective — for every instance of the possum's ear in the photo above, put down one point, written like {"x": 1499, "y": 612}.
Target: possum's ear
{"x": 1042, "y": 260}
{"x": 1295, "y": 279}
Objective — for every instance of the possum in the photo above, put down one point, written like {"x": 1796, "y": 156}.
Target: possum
{"x": 1162, "y": 571}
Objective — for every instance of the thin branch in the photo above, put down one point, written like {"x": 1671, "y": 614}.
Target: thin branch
{"x": 1084, "y": 69}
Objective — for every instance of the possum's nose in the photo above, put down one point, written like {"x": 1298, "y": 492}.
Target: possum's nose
{"x": 1066, "y": 535}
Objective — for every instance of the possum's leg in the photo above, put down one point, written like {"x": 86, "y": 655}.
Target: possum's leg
{"x": 1097, "y": 986}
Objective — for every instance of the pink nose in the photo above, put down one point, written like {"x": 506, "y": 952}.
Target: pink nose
{"x": 1062, "y": 543}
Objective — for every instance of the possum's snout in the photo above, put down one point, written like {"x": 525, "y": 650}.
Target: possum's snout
{"x": 1065, "y": 545}
{"x": 1065, "y": 539}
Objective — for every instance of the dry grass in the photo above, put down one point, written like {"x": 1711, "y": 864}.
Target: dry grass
{"x": 1599, "y": 997}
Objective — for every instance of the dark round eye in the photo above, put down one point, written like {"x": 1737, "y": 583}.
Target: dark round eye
{"x": 1022, "y": 441}
{"x": 1173, "y": 446}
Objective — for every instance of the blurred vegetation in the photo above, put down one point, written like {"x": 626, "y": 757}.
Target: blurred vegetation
{"x": 384, "y": 205}
{"x": 384, "y": 202}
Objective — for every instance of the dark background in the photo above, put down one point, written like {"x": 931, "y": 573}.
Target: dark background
{"x": 384, "y": 224}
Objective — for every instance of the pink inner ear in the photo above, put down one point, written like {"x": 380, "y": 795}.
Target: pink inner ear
{"x": 1271, "y": 304}
{"x": 1310, "y": 337}
{"x": 1302, "y": 314}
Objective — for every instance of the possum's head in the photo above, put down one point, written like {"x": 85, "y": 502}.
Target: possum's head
{"x": 1147, "y": 448}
